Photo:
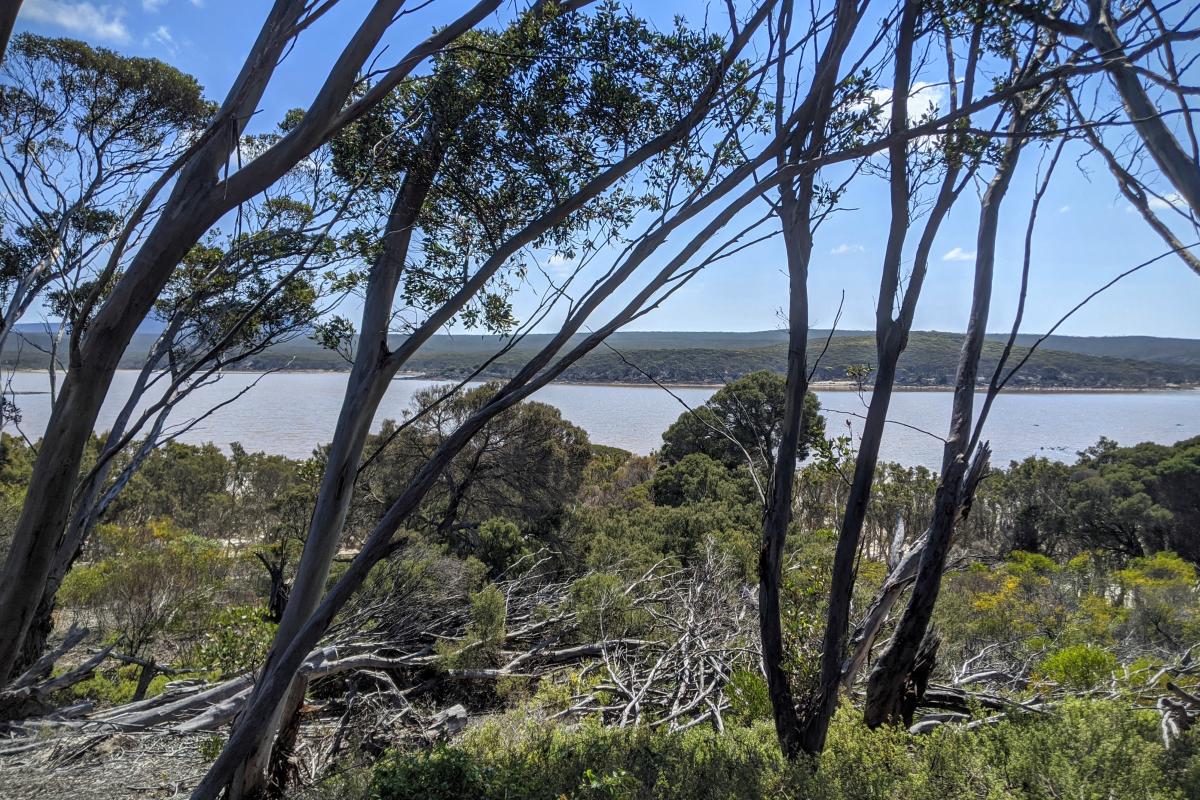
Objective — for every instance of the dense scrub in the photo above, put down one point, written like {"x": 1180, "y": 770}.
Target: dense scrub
{"x": 1071, "y": 605}
{"x": 1084, "y": 750}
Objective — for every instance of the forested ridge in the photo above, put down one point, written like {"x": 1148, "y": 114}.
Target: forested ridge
{"x": 928, "y": 361}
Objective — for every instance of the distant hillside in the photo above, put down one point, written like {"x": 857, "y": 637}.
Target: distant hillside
{"x": 1141, "y": 348}
{"x": 930, "y": 360}
{"x": 716, "y": 357}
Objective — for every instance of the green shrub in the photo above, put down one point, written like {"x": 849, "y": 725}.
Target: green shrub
{"x": 484, "y": 634}
{"x": 237, "y": 639}
{"x": 513, "y": 758}
{"x": 749, "y": 701}
{"x": 1079, "y": 667}
{"x": 1086, "y": 750}
{"x": 117, "y": 686}
{"x": 500, "y": 544}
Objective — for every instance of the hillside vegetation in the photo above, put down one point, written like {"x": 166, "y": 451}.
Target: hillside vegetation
{"x": 1119, "y": 362}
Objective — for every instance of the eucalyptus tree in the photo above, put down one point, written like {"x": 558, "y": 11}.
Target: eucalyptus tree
{"x": 232, "y": 297}
{"x": 924, "y": 173}
{"x": 201, "y": 186}
{"x": 965, "y": 457}
{"x": 1141, "y": 48}
{"x": 612, "y": 99}
{"x": 909, "y": 167}
{"x": 818, "y": 122}
{"x": 1041, "y": 35}
{"x": 81, "y": 129}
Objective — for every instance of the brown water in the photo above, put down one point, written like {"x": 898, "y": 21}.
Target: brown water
{"x": 291, "y": 413}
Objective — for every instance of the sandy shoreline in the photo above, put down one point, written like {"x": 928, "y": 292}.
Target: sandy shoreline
{"x": 822, "y": 386}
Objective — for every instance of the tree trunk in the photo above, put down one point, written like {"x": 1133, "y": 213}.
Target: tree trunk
{"x": 8, "y": 17}
{"x": 885, "y": 686}
{"x": 52, "y": 483}
{"x": 369, "y": 379}
{"x": 87, "y": 510}
{"x": 188, "y": 212}
{"x": 890, "y": 338}
{"x": 795, "y": 215}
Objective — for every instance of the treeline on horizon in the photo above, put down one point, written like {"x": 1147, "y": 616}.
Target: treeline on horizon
{"x": 929, "y": 361}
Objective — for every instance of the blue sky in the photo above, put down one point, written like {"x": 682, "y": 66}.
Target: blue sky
{"x": 1086, "y": 232}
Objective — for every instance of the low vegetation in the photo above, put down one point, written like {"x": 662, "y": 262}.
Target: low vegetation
{"x": 562, "y": 592}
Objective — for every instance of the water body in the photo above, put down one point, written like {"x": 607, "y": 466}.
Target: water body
{"x": 291, "y": 413}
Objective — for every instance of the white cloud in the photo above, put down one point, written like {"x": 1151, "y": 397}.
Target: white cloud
{"x": 559, "y": 266}
{"x": 923, "y": 98}
{"x": 153, "y": 5}
{"x": 162, "y": 36}
{"x": 958, "y": 254}
{"x": 1167, "y": 202}
{"x": 1064, "y": 209}
{"x": 100, "y": 22}
{"x": 843, "y": 249}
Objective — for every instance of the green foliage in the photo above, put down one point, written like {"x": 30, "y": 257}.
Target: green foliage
{"x": 1164, "y": 599}
{"x": 697, "y": 478}
{"x": 149, "y": 580}
{"x": 88, "y": 127}
{"x": 513, "y": 758}
{"x": 484, "y": 634}
{"x": 741, "y": 424}
{"x": 1088, "y": 750}
{"x": 510, "y": 123}
{"x": 116, "y": 686}
{"x": 187, "y": 484}
{"x": 1137, "y": 500}
{"x": 236, "y": 639}
{"x": 525, "y": 465}
{"x": 109, "y": 94}
{"x": 210, "y": 748}
{"x": 444, "y": 772}
{"x": 1079, "y": 667}
{"x": 1075, "y": 618}
{"x": 16, "y": 465}
{"x": 749, "y": 701}
{"x": 500, "y": 545}
{"x": 629, "y": 539}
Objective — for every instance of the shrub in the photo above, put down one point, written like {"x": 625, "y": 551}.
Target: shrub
{"x": 500, "y": 544}
{"x": 1086, "y": 750}
{"x": 1079, "y": 667}
{"x": 513, "y": 758}
{"x": 484, "y": 634}
{"x": 238, "y": 639}
{"x": 150, "y": 579}
{"x": 114, "y": 687}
